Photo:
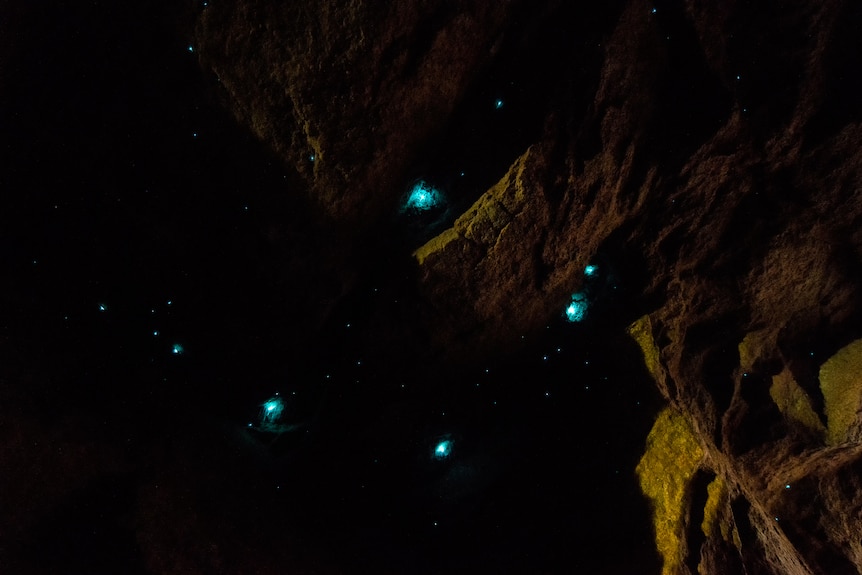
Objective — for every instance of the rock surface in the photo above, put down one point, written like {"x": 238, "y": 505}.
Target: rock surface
{"x": 709, "y": 152}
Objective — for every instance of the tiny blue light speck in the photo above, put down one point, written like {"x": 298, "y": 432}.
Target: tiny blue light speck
{"x": 498, "y": 104}
{"x": 191, "y": 48}
{"x": 590, "y": 270}
{"x": 177, "y": 349}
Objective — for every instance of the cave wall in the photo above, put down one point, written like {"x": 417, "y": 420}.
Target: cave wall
{"x": 709, "y": 149}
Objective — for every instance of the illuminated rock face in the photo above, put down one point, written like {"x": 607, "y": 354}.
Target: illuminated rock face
{"x": 715, "y": 155}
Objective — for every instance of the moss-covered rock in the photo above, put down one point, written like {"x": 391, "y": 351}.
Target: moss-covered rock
{"x": 673, "y": 456}
{"x": 641, "y": 332}
{"x": 793, "y": 402}
{"x": 841, "y": 383}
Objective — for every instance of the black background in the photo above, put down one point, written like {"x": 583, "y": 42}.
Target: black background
{"x": 126, "y": 185}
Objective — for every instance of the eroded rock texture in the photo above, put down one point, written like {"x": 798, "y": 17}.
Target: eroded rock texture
{"x": 710, "y": 152}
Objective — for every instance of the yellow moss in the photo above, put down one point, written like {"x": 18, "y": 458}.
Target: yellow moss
{"x": 716, "y": 520}
{"x": 641, "y": 332}
{"x": 672, "y": 457}
{"x": 841, "y": 383}
{"x": 435, "y": 244}
{"x": 737, "y": 542}
{"x": 716, "y": 500}
{"x": 793, "y": 402}
{"x": 487, "y": 219}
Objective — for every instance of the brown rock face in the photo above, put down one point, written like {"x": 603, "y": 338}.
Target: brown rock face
{"x": 709, "y": 151}
{"x": 349, "y": 93}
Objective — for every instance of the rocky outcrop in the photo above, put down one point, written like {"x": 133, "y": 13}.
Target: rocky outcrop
{"x": 714, "y": 161}
{"x": 349, "y": 93}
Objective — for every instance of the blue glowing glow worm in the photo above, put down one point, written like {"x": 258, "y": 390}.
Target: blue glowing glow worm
{"x": 271, "y": 410}
{"x": 577, "y": 308}
{"x": 443, "y": 449}
{"x": 423, "y": 197}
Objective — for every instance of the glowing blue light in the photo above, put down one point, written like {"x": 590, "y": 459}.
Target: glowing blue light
{"x": 191, "y": 48}
{"x": 423, "y": 197}
{"x": 577, "y": 309}
{"x": 155, "y": 332}
{"x": 271, "y": 410}
{"x": 590, "y": 270}
{"x": 103, "y": 307}
{"x": 498, "y": 104}
{"x": 443, "y": 449}
{"x": 177, "y": 349}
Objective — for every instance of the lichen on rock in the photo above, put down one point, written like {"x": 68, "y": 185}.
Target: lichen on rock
{"x": 716, "y": 519}
{"x": 641, "y": 332}
{"x": 794, "y": 403}
{"x": 484, "y": 223}
{"x": 673, "y": 456}
{"x": 841, "y": 383}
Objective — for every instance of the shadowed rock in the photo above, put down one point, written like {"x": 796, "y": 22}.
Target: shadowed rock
{"x": 712, "y": 149}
